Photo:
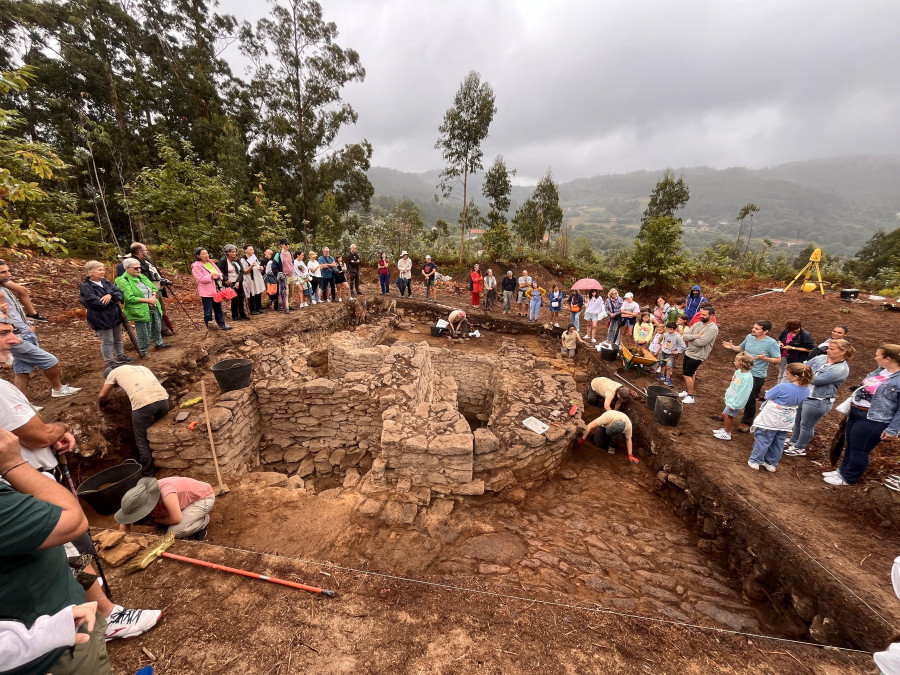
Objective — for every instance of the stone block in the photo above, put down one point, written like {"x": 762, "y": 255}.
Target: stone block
{"x": 476, "y": 487}
{"x": 503, "y": 478}
{"x": 352, "y": 457}
{"x": 485, "y": 441}
{"x": 218, "y": 417}
{"x": 307, "y": 466}
{"x": 295, "y": 454}
{"x": 396, "y": 513}
{"x": 451, "y": 444}
{"x": 418, "y": 495}
{"x": 109, "y": 539}
{"x": 318, "y": 387}
{"x": 272, "y": 454}
{"x": 267, "y": 478}
{"x": 415, "y": 444}
{"x": 118, "y": 555}
{"x": 295, "y": 483}
{"x": 352, "y": 478}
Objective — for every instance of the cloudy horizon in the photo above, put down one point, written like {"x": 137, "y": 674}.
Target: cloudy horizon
{"x": 586, "y": 88}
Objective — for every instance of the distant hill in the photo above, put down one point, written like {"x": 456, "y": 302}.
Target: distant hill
{"x": 837, "y": 203}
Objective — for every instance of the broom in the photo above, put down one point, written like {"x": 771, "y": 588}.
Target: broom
{"x": 159, "y": 551}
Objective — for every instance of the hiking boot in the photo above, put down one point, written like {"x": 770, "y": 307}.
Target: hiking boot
{"x": 65, "y": 390}
{"x": 128, "y": 623}
{"x": 124, "y": 359}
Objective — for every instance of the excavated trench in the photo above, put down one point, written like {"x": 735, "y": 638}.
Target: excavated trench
{"x": 660, "y": 539}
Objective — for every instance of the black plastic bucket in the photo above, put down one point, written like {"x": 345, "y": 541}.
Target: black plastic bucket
{"x": 655, "y": 391}
{"x": 233, "y": 374}
{"x": 609, "y": 353}
{"x": 668, "y": 410}
{"x": 117, "y": 479}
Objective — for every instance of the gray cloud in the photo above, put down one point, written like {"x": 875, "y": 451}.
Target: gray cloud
{"x": 587, "y": 88}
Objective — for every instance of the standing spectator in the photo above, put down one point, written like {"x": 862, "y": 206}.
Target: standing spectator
{"x": 535, "y": 295}
{"x": 183, "y": 504}
{"x": 139, "y": 252}
{"x": 839, "y": 332}
{"x": 736, "y": 395}
{"x": 524, "y": 285}
{"x": 142, "y": 306}
{"x": 569, "y": 340}
{"x": 384, "y": 273}
{"x": 670, "y": 347}
{"x": 315, "y": 277}
{"x": 27, "y": 353}
{"x": 283, "y": 267}
{"x": 429, "y": 272}
{"x": 693, "y": 301}
{"x": 764, "y": 351}
{"x": 830, "y": 370}
{"x": 475, "y": 286}
{"x": 613, "y": 306}
{"x": 207, "y": 276}
{"x": 326, "y": 266}
{"x": 101, "y": 299}
{"x": 796, "y": 344}
{"x": 404, "y": 279}
{"x": 696, "y": 317}
{"x": 254, "y": 285}
{"x": 776, "y": 417}
{"x": 340, "y": 279}
{"x": 631, "y": 312}
{"x": 874, "y": 416}
{"x": 576, "y": 303}
{"x": 554, "y": 304}
{"x": 149, "y": 403}
{"x": 353, "y": 265}
{"x": 21, "y": 294}
{"x": 301, "y": 278}
{"x": 271, "y": 278}
{"x": 594, "y": 312}
{"x": 509, "y": 286}
{"x": 490, "y": 289}
{"x": 699, "y": 339}
{"x": 233, "y": 278}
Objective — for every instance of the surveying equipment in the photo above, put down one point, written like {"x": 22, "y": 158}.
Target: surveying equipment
{"x": 813, "y": 264}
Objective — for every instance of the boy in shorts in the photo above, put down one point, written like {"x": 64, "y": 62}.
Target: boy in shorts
{"x": 737, "y": 394}
{"x": 671, "y": 345}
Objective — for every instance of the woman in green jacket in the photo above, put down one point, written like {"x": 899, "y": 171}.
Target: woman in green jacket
{"x": 141, "y": 306}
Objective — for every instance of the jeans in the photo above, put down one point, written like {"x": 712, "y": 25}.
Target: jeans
{"x": 141, "y": 420}
{"x": 808, "y": 415}
{"x": 326, "y": 282}
{"x": 750, "y": 408}
{"x": 405, "y": 285}
{"x": 385, "y": 280}
{"x": 111, "y": 346}
{"x": 862, "y": 436}
{"x": 781, "y": 378}
{"x": 534, "y": 309}
{"x": 768, "y": 445}
{"x": 575, "y": 318}
{"x": 612, "y": 335}
{"x": 507, "y": 300}
{"x": 212, "y": 308}
{"x": 603, "y": 440}
{"x": 151, "y": 330}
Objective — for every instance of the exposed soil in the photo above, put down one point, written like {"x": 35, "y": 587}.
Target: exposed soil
{"x": 545, "y": 544}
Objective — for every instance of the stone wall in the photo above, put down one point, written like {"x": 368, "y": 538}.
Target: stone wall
{"x": 357, "y": 351}
{"x": 475, "y": 375}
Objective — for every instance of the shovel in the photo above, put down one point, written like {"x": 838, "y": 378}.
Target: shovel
{"x": 223, "y": 489}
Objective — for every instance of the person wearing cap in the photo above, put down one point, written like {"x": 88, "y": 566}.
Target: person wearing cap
{"x": 608, "y": 431}
{"x": 326, "y": 267}
{"x": 404, "y": 281}
{"x": 353, "y": 265}
{"x": 149, "y": 403}
{"x": 630, "y": 312}
{"x": 614, "y": 395}
{"x": 429, "y": 271}
{"x": 459, "y": 324}
{"x": 508, "y": 285}
{"x": 521, "y": 298}
{"x": 179, "y": 502}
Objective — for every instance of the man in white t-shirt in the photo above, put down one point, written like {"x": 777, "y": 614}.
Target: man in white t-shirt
{"x": 521, "y": 298}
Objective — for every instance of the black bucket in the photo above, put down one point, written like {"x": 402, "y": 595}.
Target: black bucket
{"x": 668, "y": 410}
{"x": 609, "y": 353}
{"x": 117, "y": 479}
{"x": 232, "y": 374}
{"x": 438, "y": 332}
{"x": 655, "y": 391}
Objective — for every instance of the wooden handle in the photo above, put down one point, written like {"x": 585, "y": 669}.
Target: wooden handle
{"x": 212, "y": 443}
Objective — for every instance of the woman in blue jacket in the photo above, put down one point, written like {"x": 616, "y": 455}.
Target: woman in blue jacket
{"x": 101, "y": 299}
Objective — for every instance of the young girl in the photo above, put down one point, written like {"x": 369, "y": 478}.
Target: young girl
{"x": 594, "y": 311}
{"x": 301, "y": 277}
{"x": 776, "y": 417}
{"x": 555, "y": 306}
{"x": 535, "y": 295}
{"x": 656, "y": 345}
{"x": 315, "y": 277}
{"x": 736, "y": 395}
{"x": 643, "y": 331}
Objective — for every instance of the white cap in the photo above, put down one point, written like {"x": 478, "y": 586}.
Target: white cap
{"x": 629, "y": 295}
{"x": 404, "y": 253}
{"x": 427, "y": 257}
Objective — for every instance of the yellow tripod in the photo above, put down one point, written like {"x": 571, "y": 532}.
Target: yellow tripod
{"x": 808, "y": 269}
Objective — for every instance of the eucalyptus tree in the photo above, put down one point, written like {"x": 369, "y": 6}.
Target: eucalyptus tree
{"x": 462, "y": 132}
{"x": 541, "y": 213}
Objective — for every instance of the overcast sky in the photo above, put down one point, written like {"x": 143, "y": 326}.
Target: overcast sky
{"x": 605, "y": 86}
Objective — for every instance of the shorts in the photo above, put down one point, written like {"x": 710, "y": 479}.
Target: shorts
{"x": 668, "y": 360}
{"x": 429, "y": 282}
{"x": 554, "y": 307}
{"x": 690, "y": 365}
{"x": 28, "y": 355}
{"x": 731, "y": 413}
{"x": 591, "y": 316}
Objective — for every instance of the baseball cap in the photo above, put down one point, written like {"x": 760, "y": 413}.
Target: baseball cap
{"x": 629, "y": 295}
{"x": 427, "y": 257}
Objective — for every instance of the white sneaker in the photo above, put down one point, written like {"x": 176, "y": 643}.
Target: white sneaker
{"x": 682, "y": 394}
{"x": 753, "y": 465}
{"x": 340, "y": 299}
{"x": 791, "y": 451}
{"x": 835, "y": 480}
{"x": 65, "y": 390}
{"x": 722, "y": 435}
{"x": 687, "y": 399}
{"x": 555, "y": 325}
{"x": 587, "y": 336}
{"x": 830, "y": 473}
{"x": 594, "y": 340}
{"x": 611, "y": 450}
{"x": 769, "y": 467}
{"x": 128, "y": 623}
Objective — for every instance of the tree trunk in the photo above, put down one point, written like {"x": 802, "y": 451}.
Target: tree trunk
{"x": 462, "y": 236}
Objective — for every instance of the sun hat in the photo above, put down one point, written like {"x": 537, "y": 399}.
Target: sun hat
{"x": 139, "y": 501}
{"x": 616, "y": 427}
{"x": 404, "y": 253}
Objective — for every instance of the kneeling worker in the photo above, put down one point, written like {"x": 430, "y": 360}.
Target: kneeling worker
{"x": 612, "y": 393}
{"x": 459, "y": 325}
{"x": 608, "y": 430}
{"x": 570, "y": 339}
{"x": 181, "y": 503}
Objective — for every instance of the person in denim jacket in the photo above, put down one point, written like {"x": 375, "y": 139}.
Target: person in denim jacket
{"x": 874, "y": 416}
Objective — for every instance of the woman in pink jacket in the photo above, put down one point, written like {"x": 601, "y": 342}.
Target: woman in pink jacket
{"x": 208, "y": 276}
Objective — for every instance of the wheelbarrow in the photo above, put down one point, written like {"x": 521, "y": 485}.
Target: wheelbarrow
{"x": 634, "y": 360}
